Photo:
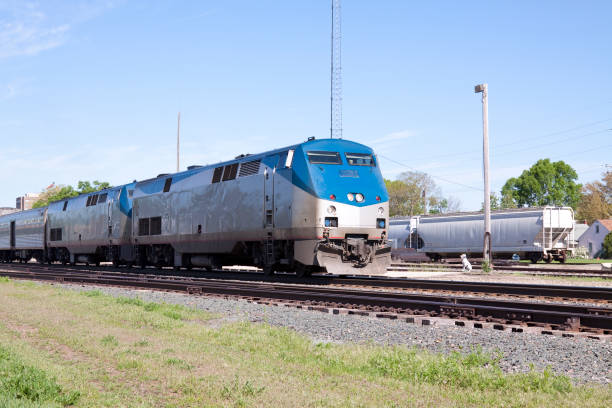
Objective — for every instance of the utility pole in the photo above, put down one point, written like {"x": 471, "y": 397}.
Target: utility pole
{"x": 486, "y": 253}
{"x": 336, "y": 72}
{"x": 178, "y": 142}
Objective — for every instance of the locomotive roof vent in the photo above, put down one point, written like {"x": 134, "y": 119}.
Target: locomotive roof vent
{"x": 311, "y": 138}
{"x": 195, "y": 166}
{"x": 243, "y": 155}
{"x": 163, "y": 174}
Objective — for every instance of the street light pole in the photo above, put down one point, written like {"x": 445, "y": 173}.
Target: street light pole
{"x": 486, "y": 253}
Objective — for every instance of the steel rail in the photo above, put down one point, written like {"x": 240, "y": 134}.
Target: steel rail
{"x": 489, "y": 288}
{"x": 561, "y": 316}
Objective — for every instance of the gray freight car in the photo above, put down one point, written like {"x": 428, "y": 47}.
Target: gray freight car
{"x": 532, "y": 233}
{"x": 22, "y": 235}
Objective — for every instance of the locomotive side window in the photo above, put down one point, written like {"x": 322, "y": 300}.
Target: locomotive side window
{"x": 360, "y": 159}
{"x": 65, "y": 205}
{"x": 88, "y": 202}
{"x": 94, "y": 199}
{"x": 167, "y": 184}
{"x": 102, "y": 198}
{"x": 324, "y": 157}
{"x": 217, "y": 174}
{"x": 155, "y": 226}
{"x": 143, "y": 226}
{"x": 55, "y": 234}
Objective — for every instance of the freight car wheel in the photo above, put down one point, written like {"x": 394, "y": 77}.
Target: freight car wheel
{"x": 268, "y": 271}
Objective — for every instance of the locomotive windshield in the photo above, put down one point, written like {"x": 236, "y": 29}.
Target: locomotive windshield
{"x": 324, "y": 157}
{"x": 360, "y": 159}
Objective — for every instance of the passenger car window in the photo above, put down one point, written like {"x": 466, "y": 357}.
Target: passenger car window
{"x": 360, "y": 159}
{"x": 324, "y": 157}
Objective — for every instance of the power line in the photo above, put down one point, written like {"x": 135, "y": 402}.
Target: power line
{"x": 495, "y": 146}
{"x": 501, "y": 154}
{"x": 549, "y": 143}
{"x": 431, "y": 175}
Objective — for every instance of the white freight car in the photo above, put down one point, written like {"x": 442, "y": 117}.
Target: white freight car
{"x": 532, "y": 233}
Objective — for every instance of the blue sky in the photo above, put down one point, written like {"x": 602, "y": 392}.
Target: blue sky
{"x": 91, "y": 89}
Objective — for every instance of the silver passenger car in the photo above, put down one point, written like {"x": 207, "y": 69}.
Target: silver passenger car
{"x": 22, "y": 235}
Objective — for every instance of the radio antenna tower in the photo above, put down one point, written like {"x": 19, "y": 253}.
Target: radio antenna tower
{"x": 336, "y": 72}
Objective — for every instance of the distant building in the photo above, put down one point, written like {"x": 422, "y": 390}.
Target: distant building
{"x": 26, "y": 202}
{"x": 7, "y": 210}
{"x": 593, "y": 238}
{"x": 580, "y": 229}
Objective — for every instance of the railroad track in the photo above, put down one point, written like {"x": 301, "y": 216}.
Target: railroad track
{"x": 529, "y": 270}
{"x": 534, "y": 291}
{"x": 514, "y": 315}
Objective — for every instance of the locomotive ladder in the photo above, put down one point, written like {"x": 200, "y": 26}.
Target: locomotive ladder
{"x": 269, "y": 249}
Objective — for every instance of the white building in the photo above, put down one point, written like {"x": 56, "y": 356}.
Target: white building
{"x": 593, "y": 238}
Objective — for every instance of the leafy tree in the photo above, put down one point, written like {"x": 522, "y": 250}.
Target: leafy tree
{"x": 61, "y": 192}
{"x": 545, "y": 183}
{"x": 607, "y": 246}
{"x": 404, "y": 199}
{"x": 596, "y": 200}
{"x": 495, "y": 202}
{"x": 85, "y": 187}
{"x": 412, "y": 191}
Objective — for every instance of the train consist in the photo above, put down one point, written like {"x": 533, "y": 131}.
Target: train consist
{"x": 318, "y": 205}
{"x": 531, "y": 233}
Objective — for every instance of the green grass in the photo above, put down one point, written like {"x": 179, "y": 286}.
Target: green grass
{"x": 127, "y": 352}
{"x": 576, "y": 261}
{"x": 565, "y": 278}
{"x": 22, "y": 385}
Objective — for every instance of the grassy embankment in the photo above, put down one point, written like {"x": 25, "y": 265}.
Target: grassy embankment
{"x": 59, "y": 347}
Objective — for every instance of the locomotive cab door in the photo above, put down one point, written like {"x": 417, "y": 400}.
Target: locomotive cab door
{"x": 269, "y": 197}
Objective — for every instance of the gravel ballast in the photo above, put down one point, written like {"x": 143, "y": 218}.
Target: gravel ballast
{"x": 583, "y": 359}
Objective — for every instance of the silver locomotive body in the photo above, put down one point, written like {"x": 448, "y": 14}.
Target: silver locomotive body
{"x": 91, "y": 228}
{"x": 265, "y": 210}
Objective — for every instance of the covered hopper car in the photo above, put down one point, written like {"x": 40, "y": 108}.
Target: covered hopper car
{"x": 531, "y": 233}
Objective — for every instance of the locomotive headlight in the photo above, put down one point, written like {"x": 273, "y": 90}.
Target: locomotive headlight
{"x": 331, "y": 210}
{"x": 350, "y": 196}
{"x": 381, "y": 211}
{"x": 359, "y": 197}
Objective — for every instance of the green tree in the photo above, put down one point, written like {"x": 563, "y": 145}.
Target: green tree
{"x": 413, "y": 191}
{"x": 596, "y": 200}
{"x": 545, "y": 183}
{"x": 607, "y": 246}
{"x": 61, "y": 192}
{"x": 495, "y": 203}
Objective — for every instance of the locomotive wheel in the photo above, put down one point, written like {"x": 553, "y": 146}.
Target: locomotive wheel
{"x": 302, "y": 271}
